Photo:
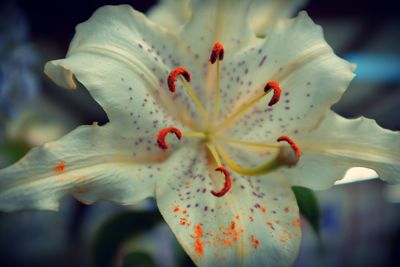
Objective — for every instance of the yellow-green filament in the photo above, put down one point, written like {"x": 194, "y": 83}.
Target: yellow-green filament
{"x": 234, "y": 141}
{"x": 194, "y": 134}
{"x": 193, "y": 96}
{"x": 238, "y": 112}
{"x": 214, "y": 153}
{"x": 217, "y": 95}
{"x": 255, "y": 171}
{"x": 308, "y": 56}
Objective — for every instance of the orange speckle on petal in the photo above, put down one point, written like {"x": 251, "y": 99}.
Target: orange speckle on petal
{"x": 183, "y": 221}
{"x": 297, "y": 223}
{"x": 227, "y": 242}
{"x": 251, "y": 219}
{"x": 263, "y": 210}
{"x": 176, "y": 209}
{"x": 285, "y": 236}
{"x": 232, "y": 233}
{"x": 270, "y": 225}
{"x": 60, "y": 167}
{"x": 184, "y": 211}
{"x": 254, "y": 241}
{"x": 198, "y": 246}
{"x": 286, "y": 210}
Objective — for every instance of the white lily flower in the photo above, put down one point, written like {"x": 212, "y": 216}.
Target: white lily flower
{"x": 225, "y": 187}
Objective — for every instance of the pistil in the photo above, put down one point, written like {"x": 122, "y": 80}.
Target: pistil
{"x": 292, "y": 143}
{"x": 255, "y": 171}
{"x": 263, "y": 168}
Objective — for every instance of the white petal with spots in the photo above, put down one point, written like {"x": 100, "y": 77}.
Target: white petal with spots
{"x": 171, "y": 14}
{"x": 91, "y": 163}
{"x": 339, "y": 144}
{"x": 124, "y": 59}
{"x": 311, "y": 76}
{"x": 212, "y": 21}
{"x": 255, "y": 224}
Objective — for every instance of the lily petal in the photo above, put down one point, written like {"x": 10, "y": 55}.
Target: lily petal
{"x": 91, "y": 163}
{"x": 338, "y": 144}
{"x": 213, "y": 22}
{"x": 264, "y": 14}
{"x": 254, "y": 224}
{"x": 171, "y": 14}
{"x": 357, "y": 174}
{"x": 123, "y": 59}
{"x": 310, "y": 75}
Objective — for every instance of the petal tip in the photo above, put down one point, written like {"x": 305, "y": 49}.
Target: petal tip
{"x": 60, "y": 75}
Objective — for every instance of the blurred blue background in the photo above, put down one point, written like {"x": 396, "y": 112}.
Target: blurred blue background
{"x": 360, "y": 222}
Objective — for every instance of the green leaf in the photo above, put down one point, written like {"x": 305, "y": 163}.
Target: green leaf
{"x": 138, "y": 259}
{"x": 114, "y": 232}
{"x": 14, "y": 150}
{"x": 308, "y": 206}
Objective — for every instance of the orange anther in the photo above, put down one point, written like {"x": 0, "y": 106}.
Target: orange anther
{"x": 227, "y": 185}
{"x": 277, "y": 91}
{"x": 163, "y": 133}
{"x": 173, "y": 75}
{"x": 217, "y": 52}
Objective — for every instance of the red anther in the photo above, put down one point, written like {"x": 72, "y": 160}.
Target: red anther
{"x": 173, "y": 75}
{"x": 217, "y": 52}
{"x": 163, "y": 133}
{"x": 277, "y": 91}
{"x": 227, "y": 185}
{"x": 292, "y": 143}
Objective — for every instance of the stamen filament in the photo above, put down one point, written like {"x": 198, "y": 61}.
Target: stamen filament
{"x": 214, "y": 153}
{"x": 259, "y": 170}
{"x": 194, "y": 134}
{"x": 193, "y": 96}
{"x": 217, "y": 95}
{"x": 242, "y": 109}
{"x": 269, "y": 86}
{"x": 227, "y": 139}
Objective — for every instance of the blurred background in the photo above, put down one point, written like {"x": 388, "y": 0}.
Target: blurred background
{"x": 359, "y": 223}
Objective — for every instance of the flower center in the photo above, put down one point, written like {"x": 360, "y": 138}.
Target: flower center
{"x": 212, "y": 136}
